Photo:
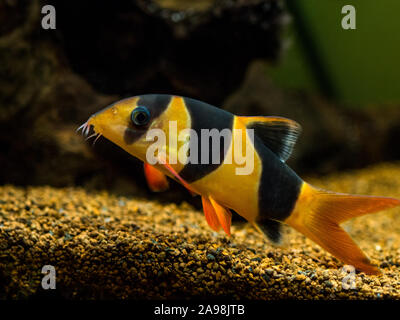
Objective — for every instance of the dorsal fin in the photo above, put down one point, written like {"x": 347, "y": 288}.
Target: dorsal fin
{"x": 277, "y": 133}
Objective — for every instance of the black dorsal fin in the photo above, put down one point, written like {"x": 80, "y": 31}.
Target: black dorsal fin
{"x": 278, "y": 134}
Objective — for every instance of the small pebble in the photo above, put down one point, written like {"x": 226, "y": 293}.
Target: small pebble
{"x": 105, "y": 246}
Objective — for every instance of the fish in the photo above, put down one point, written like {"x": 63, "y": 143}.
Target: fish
{"x": 268, "y": 196}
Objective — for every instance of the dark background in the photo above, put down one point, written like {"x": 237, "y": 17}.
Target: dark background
{"x": 255, "y": 57}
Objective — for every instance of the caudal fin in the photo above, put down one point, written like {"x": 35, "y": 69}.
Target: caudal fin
{"x": 318, "y": 214}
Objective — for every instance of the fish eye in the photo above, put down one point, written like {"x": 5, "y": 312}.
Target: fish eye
{"x": 140, "y": 116}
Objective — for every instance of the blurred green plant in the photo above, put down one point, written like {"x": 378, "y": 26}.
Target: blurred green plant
{"x": 358, "y": 67}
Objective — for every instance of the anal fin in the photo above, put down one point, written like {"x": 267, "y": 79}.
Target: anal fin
{"x": 271, "y": 228}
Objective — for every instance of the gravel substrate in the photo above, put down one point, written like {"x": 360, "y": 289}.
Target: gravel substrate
{"x": 106, "y": 246}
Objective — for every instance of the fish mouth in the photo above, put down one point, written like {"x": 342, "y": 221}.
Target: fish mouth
{"x": 86, "y": 127}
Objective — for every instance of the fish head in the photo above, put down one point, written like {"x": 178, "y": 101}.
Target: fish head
{"x": 128, "y": 122}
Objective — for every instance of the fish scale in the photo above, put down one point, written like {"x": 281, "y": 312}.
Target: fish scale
{"x": 271, "y": 194}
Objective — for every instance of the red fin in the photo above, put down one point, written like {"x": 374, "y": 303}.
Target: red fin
{"x": 156, "y": 180}
{"x": 176, "y": 175}
{"x": 319, "y": 213}
{"x": 210, "y": 214}
{"x": 224, "y": 216}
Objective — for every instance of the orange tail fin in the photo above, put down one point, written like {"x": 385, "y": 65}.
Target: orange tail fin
{"x": 318, "y": 213}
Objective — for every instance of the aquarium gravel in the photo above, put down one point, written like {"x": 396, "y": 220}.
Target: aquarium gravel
{"x": 107, "y": 246}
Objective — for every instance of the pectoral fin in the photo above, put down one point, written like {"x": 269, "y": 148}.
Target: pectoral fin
{"x": 176, "y": 175}
{"x": 223, "y": 214}
{"x": 271, "y": 228}
{"x": 156, "y": 180}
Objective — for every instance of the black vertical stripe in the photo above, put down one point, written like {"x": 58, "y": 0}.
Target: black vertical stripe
{"x": 205, "y": 116}
{"x": 279, "y": 186}
{"x": 156, "y": 104}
